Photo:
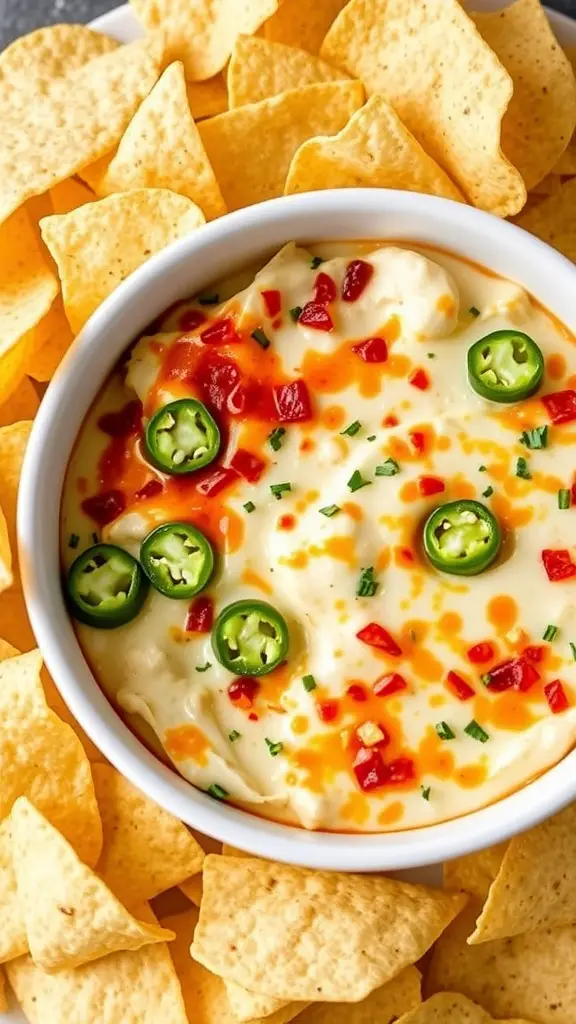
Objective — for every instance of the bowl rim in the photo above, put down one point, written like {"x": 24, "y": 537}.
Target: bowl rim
{"x": 110, "y": 329}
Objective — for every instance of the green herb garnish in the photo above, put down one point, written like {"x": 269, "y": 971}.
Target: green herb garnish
{"x": 275, "y": 438}
{"x": 535, "y": 439}
{"x": 329, "y": 511}
{"x": 474, "y": 311}
{"x": 357, "y": 481}
{"x": 425, "y": 791}
{"x": 208, "y": 298}
{"x": 352, "y": 429}
{"x": 295, "y": 313}
{"x": 367, "y": 584}
{"x": 316, "y": 261}
{"x": 481, "y": 469}
{"x": 309, "y": 683}
{"x": 476, "y": 732}
{"x": 444, "y": 731}
{"x": 249, "y": 507}
{"x": 488, "y": 492}
{"x": 522, "y": 468}
{"x": 388, "y": 468}
{"x": 261, "y": 337}
{"x": 573, "y": 649}
{"x": 234, "y": 735}
{"x": 73, "y": 541}
{"x": 204, "y": 668}
{"x": 371, "y": 438}
{"x": 550, "y": 633}
{"x": 218, "y": 792}
{"x": 274, "y": 748}
{"x": 563, "y": 498}
{"x": 279, "y": 489}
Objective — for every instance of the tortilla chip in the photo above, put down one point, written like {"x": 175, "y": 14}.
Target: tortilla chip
{"x": 206, "y": 99}
{"x": 69, "y": 195}
{"x": 27, "y": 289}
{"x": 280, "y": 124}
{"x": 6, "y": 577}
{"x": 99, "y": 245}
{"x": 13, "y": 941}
{"x": 41, "y": 758}
{"x": 233, "y": 851}
{"x": 444, "y": 83}
{"x": 13, "y": 615}
{"x": 529, "y": 976}
{"x": 161, "y": 148}
{"x": 78, "y": 120}
{"x": 554, "y": 220}
{"x": 539, "y": 122}
{"x": 3, "y": 1002}
{"x": 123, "y": 988}
{"x": 192, "y": 888}
{"x": 52, "y": 339}
{"x": 31, "y": 64}
{"x": 71, "y": 916}
{"x": 248, "y": 1006}
{"x": 450, "y": 1008}
{"x": 146, "y": 850}
{"x": 307, "y": 922}
{"x": 475, "y": 872}
{"x": 202, "y": 37}
{"x": 23, "y": 404}
{"x": 259, "y": 69}
{"x": 549, "y": 186}
{"x": 302, "y": 24}
{"x": 374, "y": 150}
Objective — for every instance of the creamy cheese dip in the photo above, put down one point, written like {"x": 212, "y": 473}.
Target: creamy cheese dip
{"x": 345, "y": 735}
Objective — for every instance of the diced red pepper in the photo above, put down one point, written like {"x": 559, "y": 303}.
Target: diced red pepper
{"x": 325, "y": 290}
{"x": 191, "y": 320}
{"x": 200, "y": 617}
{"x": 248, "y": 465}
{"x": 558, "y": 564}
{"x": 356, "y": 279}
{"x": 390, "y": 420}
{"x": 376, "y": 636}
{"x": 419, "y": 379}
{"x": 124, "y": 423}
{"x": 402, "y": 769}
{"x": 328, "y": 710}
{"x": 385, "y": 686}
{"x": 293, "y": 402}
{"x": 316, "y": 317}
{"x": 242, "y": 691}
{"x": 220, "y": 332}
{"x": 369, "y": 769}
{"x": 150, "y": 490}
{"x": 103, "y": 508}
{"x": 217, "y": 378}
{"x": 535, "y": 653}
{"x": 273, "y": 302}
{"x": 479, "y": 654}
{"x": 459, "y": 686}
{"x": 573, "y": 494}
{"x": 217, "y": 481}
{"x": 429, "y": 485}
{"x": 418, "y": 440}
{"x": 517, "y": 673}
{"x": 357, "y": 692}
{"x": 561, "y": 406}
{"x": 556, "y": 697}
{"x": 287, "y": 522}
{"x": 373, "y": 350}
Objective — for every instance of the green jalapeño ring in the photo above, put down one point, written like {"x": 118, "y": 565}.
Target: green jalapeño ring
{"x": 177, "y": 559}
{"x": 506, "y": 366}
{"x": 250, "y": 638}
{"x": 182, "y": 437}
{"x": 462, "y": 538}
{"x": 105, "y": 587}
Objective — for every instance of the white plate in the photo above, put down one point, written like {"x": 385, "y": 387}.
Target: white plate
{"x": 121, "y": 24}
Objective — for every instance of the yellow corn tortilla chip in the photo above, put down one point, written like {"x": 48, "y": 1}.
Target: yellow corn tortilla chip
{"x": 22, "y": 405}
{"x": 445, "y": 84}
{"x": 146, "y": 850}
{"x": 206, "y": 99}
{"x": 567, "y": 162}
{"x": 202, "y": 33}
{"x": 549, "y": 186}
{"x": 69, "y": 195}
{"x": 161, "y": 148}
{"x": 554, "y": 220}
{"x": 530, "y": 976}
{"x": 99, "y": 245}
{"x": 41, "y": 758}
{"x": 374, "y": 150}
{"x": 302, "y": 24}
{"x": 281, "y": 124}
{"x": 27, "y": 289}
{"x": 52, "y": 339}
{"x": 192, "y": 888}
{"x": 71, "y": 916}
{"x": 259, "y": 69}
{"x": 31, "y": 64}
{"x": 539, "y": 122}
{"x": 92, "y": 174}
{"x": 13, "y": 615}
{"x": 475, "y": 872}
{"x": 6, "y": 578}
{"x": 123, "y": 988}
{"x": 307, "y": 922}
{"x": 79, "y": 119}
{"x": 13, "y": 941}
{"x": 7, "y": 650}
{"x": 3, "y": 1001}
{"x": 450, "y": 1008}
{"x": 248, "y": 1006}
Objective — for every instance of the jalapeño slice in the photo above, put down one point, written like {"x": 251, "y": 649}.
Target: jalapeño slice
{"x": 505, "y": 366}
{"x": 250, "y": 638}
{"x": 105, "y": 587}
{"x": 182, "y": 437}
{"x": 177, "y": 559}
{"x": 462, "y": 538}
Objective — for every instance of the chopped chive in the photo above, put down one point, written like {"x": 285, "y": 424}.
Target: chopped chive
{"x": 309, "y": 683}
{"x": 474, "y": 311}
{"x": 274, "y": 748}
{"x": 275, "y": 438}
{"x": 425, "y": 791}
{"x": 444, "y": 731}
{"x": 218, "y": 792}
{"x": 563, "y": 498}
{"x": 550, "y": 633}
{"x": 279, "y": 489}
{"x": 329, "y": 511}
{"x": 536, "y": 438}
{"x": 431, "y": 355}
{"x": 234, "y": 735}
{"x": 522, "y": 468}
{"x": 357, "y": 481}
{"x": 204, "y": 668}
{"x": 208, "y": 299}
{"x": 486, "y": 679}
{"x": 476, "y": 732}
{"x": 316, "y": 261}
{"x": 261, "y": 337}
{"x": 249, "y": 507}
{"x": 488, "y": 492}
{"x": 573, "y": 649}
{"x": 352, "y": 429}
{"x": 371, "y": 438}
{"x": 367, "y": 584}
{"x": 481, "y": 469}
{"x": 295, "y": 313}
{"x": 388, "y": 468}
{"x": 95, "y": 538}
{"x": 73, "y": 541}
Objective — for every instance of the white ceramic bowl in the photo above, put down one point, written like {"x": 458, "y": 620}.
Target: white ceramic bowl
{"x": 186, "y": 267}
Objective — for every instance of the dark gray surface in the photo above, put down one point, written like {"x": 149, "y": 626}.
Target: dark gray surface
{"x": 20, "y": 16}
